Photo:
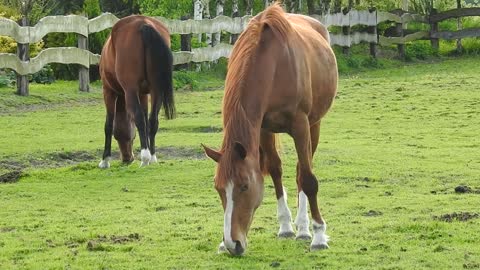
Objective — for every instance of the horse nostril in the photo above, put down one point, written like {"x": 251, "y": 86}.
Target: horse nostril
{"x": 238, "y": 248}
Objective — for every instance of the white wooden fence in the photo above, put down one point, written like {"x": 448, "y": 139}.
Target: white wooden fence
{"x": 83, "y": 27}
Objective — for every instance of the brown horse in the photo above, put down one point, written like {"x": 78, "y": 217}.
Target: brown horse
{"x": 282, "y": 78}
{"x": 136, "y": 62}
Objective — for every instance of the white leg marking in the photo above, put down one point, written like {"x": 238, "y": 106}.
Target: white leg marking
{"x": 320, "y": 239}
{"x": 222, "y": 248}
{"x": 104, "y": 164}
{"x": 284, "y": 217}
{"x": 302, "y": 222}
{"x": 153, "y": 159}
{"x": 227, "y": 221}
{"x": 145, "y": 157}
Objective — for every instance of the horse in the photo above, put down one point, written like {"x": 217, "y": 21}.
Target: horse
{"x": 136, "y": 62}
{"x": 282, "y": 78}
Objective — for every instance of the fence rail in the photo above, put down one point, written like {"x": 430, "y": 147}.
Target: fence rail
{"x": 82, "y": 26}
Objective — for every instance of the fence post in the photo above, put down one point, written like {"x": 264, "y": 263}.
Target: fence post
{"x": 434, "y": 29}
{"x": 373, "y": 30}
{"x": 83, "y": 72}
{"x": 459, "y": 27}
{"x": 346, "y": 31}
{"x": 185, "y": 44}
{"x": 23, "y": 53}
{"x": 401, "y": 47}
{"x": 234, "y": 37}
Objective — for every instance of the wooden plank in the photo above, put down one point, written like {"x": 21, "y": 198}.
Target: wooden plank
{"x": 63, "y": 55}
{"x": 387, "y": 41}
{"x": 353, "y": 38}
{"x": 405, "y": 18}
{"x": 220, "y": 23}
{"x": 28, "y": 34}
{"x": 102, "y": 22}
{"x": 199, "y": 55}
{"x": 354, "y": 17}
{"x": 465, "y": 33}
{"x": 455, "y": 13}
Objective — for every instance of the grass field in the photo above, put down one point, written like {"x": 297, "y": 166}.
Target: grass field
{"x": 394, "y": 147}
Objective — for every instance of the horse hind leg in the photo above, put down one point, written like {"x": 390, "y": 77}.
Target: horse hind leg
{"x": 135, "y": 109}
{"x": 110, "y": 99}
{"x": 153, "y": 123}
{"x": 305, "y": 137}
{"x": 274, "y": 168}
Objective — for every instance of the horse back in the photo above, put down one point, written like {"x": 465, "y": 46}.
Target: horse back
{"x": 124, "y": 52}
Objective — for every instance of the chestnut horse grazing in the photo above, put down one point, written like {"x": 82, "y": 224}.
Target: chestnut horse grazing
{"x": 282, "y": 78}
{"x": 136, "y": 62}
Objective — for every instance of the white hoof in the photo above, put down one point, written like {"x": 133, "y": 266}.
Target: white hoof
{"x": 320, "y": 239}
{"x": 222, "y": 248}
{"x": 145, "y": 157}
{"x": 153, "y": 159}
{"x": 104, "y": 164}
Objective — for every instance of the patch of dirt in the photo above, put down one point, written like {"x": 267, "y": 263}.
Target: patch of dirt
{"x": 7, "y": 229}
{"x": 97, "y": 244}
{"x": 70, "y": 158}
{"x": 460, "y": 216}
{"x": 208, "y": 129}
{"x": 11, "y": 177}
{"x": 373, "y": 213}
{"x": 173, "y": 152}
{"x": 466, "y": 189}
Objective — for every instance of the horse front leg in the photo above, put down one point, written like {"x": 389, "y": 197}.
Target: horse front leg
{"x": 110, "y": 99}
{"x": 274, "y": 167}
{"x": 307, "y": 185}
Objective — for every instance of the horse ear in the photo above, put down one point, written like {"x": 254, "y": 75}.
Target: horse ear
{"x": 215, "y": 155}
{"x": 241, "y": 151}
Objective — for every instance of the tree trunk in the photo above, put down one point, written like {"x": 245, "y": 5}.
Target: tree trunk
{"x": 235, "y": 13}
{"x": 324, "y": 6}
{"x": 206, "y": 15}
{"x": 220, "y": 5}
{"x": 248, "y": 7}
{"x": 310, "y": 7}
{"x": 337, "y": 6}
{"x": 197, "y": 14}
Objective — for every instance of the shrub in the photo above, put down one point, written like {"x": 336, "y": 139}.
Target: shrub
{"x": 418, "y": 50}
{"x": 44, "y": 76}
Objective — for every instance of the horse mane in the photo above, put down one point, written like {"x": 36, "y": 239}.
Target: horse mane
{"x": 236, "y": 125}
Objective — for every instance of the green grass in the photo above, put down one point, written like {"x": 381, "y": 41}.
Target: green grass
{"x": 394, "y": 146}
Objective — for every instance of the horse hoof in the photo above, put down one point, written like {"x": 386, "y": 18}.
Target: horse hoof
{"x": 286, "y": 234}
{"x": 153, "y": 159}
{"x": 303, "y": 237}
{"x": 145, "y": 157}
{"x": 104, "y": 164}
{"x": 319, "y": 247}
{"x": 222, "y": 248}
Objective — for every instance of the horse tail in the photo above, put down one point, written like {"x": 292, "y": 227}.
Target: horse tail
{"x": 159, "y": 58}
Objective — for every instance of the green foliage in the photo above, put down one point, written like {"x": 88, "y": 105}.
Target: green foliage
{"x": 174, "y": 9}
{"x": 421, "y": 50}
{"x": 184, "y": 79}
{"x": 6, "y": 78}
{"x": 44, "y": 76}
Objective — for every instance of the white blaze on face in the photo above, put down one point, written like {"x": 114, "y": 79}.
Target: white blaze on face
{"x": 227, "y": 221}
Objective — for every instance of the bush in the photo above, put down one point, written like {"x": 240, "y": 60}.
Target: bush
{"x": 44, "y": 76}
{"x": 183, "y": 79}
{"x": 7, "y": 78}
{"x": 418, "y": 50}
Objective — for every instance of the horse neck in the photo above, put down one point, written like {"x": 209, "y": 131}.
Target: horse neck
{"x": 243, "y": 127}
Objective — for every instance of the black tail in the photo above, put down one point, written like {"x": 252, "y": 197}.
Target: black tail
{"x": 161, "y": 60}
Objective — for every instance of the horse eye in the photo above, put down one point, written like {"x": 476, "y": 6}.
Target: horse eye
{"x": 243, "y": 187}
